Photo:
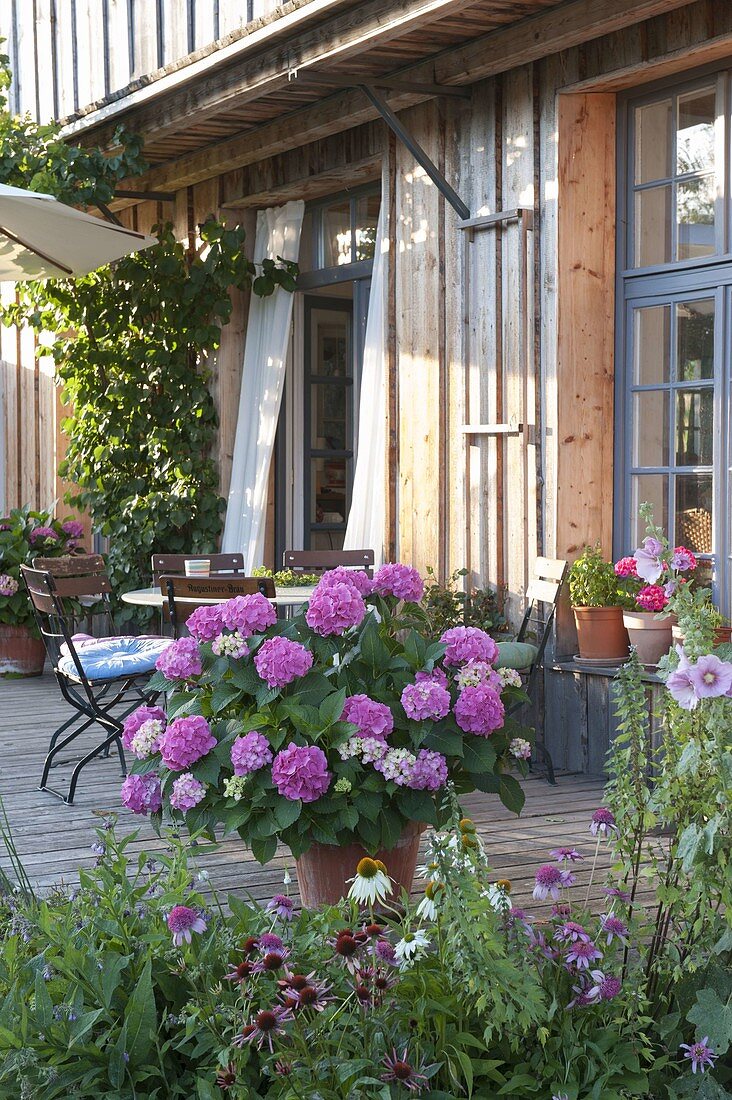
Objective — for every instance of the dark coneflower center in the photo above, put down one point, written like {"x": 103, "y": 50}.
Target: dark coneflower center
{"x": 272, "y": 961}
{"x": 266, "y": 1021}
{"x": 298, "y": 981}
{"x": 402, "y": 1071}
{"x": 243, "y": 970}
{"x": 308, "y": 995}
{"x": 346, "y": 945}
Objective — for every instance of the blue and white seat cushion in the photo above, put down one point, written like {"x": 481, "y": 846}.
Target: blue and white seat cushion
{"x": 109, "y": 658}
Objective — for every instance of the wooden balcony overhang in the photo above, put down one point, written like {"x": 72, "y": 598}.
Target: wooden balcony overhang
{"x": 283, "y": 89}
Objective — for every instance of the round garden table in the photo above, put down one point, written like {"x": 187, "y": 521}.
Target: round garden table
{"x": 153, "y": 597}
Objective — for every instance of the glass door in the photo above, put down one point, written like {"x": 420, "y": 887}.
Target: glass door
{"x": 329, "y": 416}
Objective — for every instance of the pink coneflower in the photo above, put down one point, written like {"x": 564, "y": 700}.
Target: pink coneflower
{"x": 226, "y": 1078}
{"x": 582, "y": 954}
{"x": 346, "y": 947}
{"x": 240, "y": 973}
{"x": 605, "y": 986}
{"x": 566, "y": 855}
{"x": 182, "y": 921}
{"x": 270, "y": 942}
{"x": 571, "y": 932}
{"x": 581, "y": 997}
{"x": 616, "y": 892}
{"x": 614, "y": 927}
{"x": 313, "y": 995}
{"x": 271, "y": 962}
{"x": 282, "y": 906}
{"x": 401, "y": 1072}
{"x": 603, "y": 822}
{"x": 549, "y": 882}
{"x": 265, "y": 1026}
{"x": 700, "y": 1055}
{"x": 386, "y": 952}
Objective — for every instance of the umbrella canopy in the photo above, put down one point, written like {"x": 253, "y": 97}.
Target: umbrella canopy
{"x": 41, "y": 238}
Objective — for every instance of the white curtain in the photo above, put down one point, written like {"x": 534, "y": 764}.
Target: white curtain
{"x": 366, "y": 518}
{"x": 263, "y": 375}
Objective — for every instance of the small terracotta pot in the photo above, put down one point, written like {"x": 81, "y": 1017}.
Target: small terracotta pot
{"x": 323, "y": 871}
{"x": 20, "y": 653}
{"x": 601, "y": 633}
{"x": 651, "y": 636}
{"x": 722, "y": 635}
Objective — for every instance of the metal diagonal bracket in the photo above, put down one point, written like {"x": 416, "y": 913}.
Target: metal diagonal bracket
{"x": 398, "y": 127}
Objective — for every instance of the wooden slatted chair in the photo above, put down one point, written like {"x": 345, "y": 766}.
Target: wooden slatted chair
{"x": 184, "y": 593}
{"x": 103, "y": 679}
{"x": 318, "y": 561}
{"x": 526, "y": 654}
{"x": 176, "y": 563}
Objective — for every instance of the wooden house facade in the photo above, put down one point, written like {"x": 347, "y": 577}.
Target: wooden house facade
{"x": 555, "y": 181}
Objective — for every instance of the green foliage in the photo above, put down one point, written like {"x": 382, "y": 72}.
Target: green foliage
{"x": 24, "y": 535}
{"x": 287, "y": 578}
{"x": 450, "y": 605}
{"x": 592, "y": 580}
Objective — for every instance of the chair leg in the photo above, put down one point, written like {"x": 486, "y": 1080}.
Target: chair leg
{"x": 104, "y": 745}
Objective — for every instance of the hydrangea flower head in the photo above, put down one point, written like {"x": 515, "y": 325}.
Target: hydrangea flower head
{"x": 478, "y": 672}
{"x": 185, "y": 741}
{"x": 250, "y": 753}
{"x": 335, "y": 608}
{"x": 301, "y": 772}
{"x": 652, "y": 597}
{"x": 141, "y": 794}
{"x": 401, "y": 581}
{"x": 279, "y": 661}
{"x": 138, "y": 718}
{"x": 38, "y": 534}
{"x": 357, "y": 578}
{"x": 146, "y": 739}
{"x": 429, "y": 771}
{"x": 250, "y": 614}
{"x": 468, "y": 643}
{"x": 8, "y": 585}
{"x": 426, "y": 701}
{"x": 186, "y": 792}
{"x": 520, "y": 748}
{"x": 372, "y": 718}
{"x": 230, "y": 645}
{"x": 181, "y": 660}
{"x": 437, "y": 676}
{"x": 182, "y": 921}
{"x": 396, "y": 765}
{"x": 479, "y": 710}
{"x": 73, "y": 528}
{"x": 205, "y": 622}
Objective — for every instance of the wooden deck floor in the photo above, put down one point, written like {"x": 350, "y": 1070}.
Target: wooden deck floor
{"x": 54, "y": 840}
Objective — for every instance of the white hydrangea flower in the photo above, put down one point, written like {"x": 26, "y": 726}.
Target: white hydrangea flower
{"x": 510, "y": 677}
{"x": 230, "y": 645}
{"x": 145, "y": 740}
{"x": 235, "y": 787}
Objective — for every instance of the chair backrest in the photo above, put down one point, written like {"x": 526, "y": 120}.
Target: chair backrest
{"x": 542, "y": 596}
{"x": 55, "y": 603}
{"x": 176, "y": 563}
{"x": 318, "y": 561}
{"x": 185, "y": 594}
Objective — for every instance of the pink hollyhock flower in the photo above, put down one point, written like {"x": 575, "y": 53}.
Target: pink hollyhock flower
{"x": 301, "y": 772}
{"x": 426, "y": 701}
{"x": 141, "y": 717}
{"x": 681, "y": 685}
{"x": 249, "y": 615}
{"x": 73, "y": 528}
{"x": 468, "y": 643}
{"x": 683, "y": 560}
{"x": 250, "y": 753}
{"x": 334, "y": 608}
{"x": 429, "y": 771}
{"x": 182, "y": 921}
{"x": 711, "y": 677}
{"x": 181, "y": 660}
{"x": 479, "y": 710}
{"x": 8, "y": 585}
{"x": 357, "y": 578}
{"x": 652, "y": 598}
{"x": 401, "y": 581}
{"x": 185, "y": 741}
{"x": 372, "y": 718}
{"x": 437, "y": 676}
{"x": 648, "y": 560}
{"x": 39, "y": 533}
{"x": 280, "y": 661}
{"x": 205, "y": 622}
{"x": 141, "y": 794}
{"x": 186, "y": 792}
{"x": 626, "y": 567}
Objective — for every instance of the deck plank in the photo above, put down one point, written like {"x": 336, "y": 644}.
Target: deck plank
{"x": 54, "y": 840}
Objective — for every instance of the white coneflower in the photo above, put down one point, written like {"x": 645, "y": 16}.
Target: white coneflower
{"x": 497, "y": 894}
{"x": 427, "y": 908}
{"x": 429, "y": 870}
{"x": 370, "y": 883}
{"x": 411, "y": 946}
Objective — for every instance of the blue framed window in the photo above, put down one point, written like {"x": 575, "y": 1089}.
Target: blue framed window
{"x": 674, "y": 320}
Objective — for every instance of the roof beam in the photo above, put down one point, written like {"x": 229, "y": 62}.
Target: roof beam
{"x": 523, "y": 42}
{"x": 395, "y": 83}
{"x": 340, "y": 178}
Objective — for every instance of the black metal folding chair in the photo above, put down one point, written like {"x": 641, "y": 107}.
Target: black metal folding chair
{"x": 185, "y": 594}
{"x": 102, "y": 679}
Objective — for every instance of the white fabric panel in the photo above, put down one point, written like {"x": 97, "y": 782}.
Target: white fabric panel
{"x": 263, "y": 375}
{"x": 366, "y": 518}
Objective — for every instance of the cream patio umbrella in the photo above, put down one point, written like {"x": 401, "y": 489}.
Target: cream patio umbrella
{"x": 41, "y": 238}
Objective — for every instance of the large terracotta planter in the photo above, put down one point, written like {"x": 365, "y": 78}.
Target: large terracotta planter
{"x": 651, "y": 636}
{"x": 601, "y": 633}
{"x": 20, "y": 653}
{"x": 323, "y": 871}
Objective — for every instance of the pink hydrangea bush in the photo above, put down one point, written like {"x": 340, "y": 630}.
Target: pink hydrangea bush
{"x": 341, "y": 724}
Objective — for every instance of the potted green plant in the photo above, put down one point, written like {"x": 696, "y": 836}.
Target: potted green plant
{"x": 342, "y": 732}
{"x": 597, "y": 605}
{"x": 25, "y": 535}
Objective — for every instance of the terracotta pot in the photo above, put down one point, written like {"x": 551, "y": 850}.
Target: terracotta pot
{"x": 323, "y": 871}
{"x": 20, "y": 653}
{"x": 651, "y": 636}
{"x": 722, "y": 635}
{"x": 601, "y": 633}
